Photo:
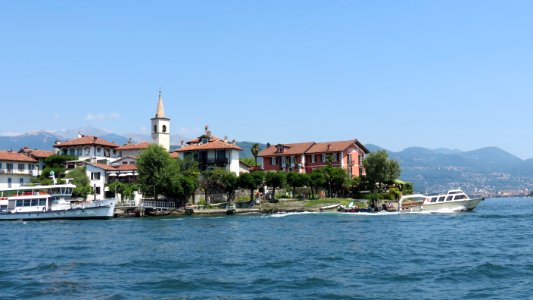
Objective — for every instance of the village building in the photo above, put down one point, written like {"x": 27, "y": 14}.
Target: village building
{"x": 212, "y": 152}
{"x": 16, "y": 169}
{"x": 101, "y": 175}
{"x": 131, "y": 150}
{"x": 88, "y": 148}
{"x": 305, "y": 157}
{"x": 38, "y": 155}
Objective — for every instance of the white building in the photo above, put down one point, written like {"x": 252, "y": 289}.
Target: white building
{"x": 89, "y": 148}
{"x": 131, "y": 150}
{"x": 212, "y": 152}
{"x": 161, "y": 126}
{"x": 16, "y": 169}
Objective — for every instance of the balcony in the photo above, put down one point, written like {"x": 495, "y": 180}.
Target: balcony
{"x": 213, "y": 162}
{"x": 19, "y": 172}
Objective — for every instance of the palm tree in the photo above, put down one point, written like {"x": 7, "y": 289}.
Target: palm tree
{"x": 255, "y": 152}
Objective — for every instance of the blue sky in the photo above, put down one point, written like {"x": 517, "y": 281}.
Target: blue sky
{"x": 453, "y": 74}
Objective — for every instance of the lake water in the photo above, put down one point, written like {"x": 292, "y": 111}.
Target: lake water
{"x": 483, "y": 254}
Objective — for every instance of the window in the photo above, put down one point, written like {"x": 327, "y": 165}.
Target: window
{"x": 97, "y": 190}
{"x": 95, "y": 176}
{"x": 78, "y": 152}
{"x": 273, "y": 161}
{"x": 9, "y": 182}
{"x": 323, "y": 157}
{"x": 334, "y": 157}
{"x": 205, "y": 141}
{"x": 87, "y": 151}
{"x": 71, "y": 151}
{"x": 9, "y": 167}
{"x": 98, "y": 149}
{"x": 313, "y": 158}
{"x": 31, "y": 167}
{"x": 124, "y": 162}
{"x": 283, "y": 162}
{"x": 155, "y": 128}
{"x": 292, "y": 160}
{"x": 164, "y": 128}
{"x": 0, "y": 166}
{"x": 21, "y": 181}
{"x": 21, "y": 167}
{"x": 349, "y": 158}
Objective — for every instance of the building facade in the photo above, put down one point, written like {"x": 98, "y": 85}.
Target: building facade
{"x": 212, "y": 152}
{"x": 89, "y": 148}
{"x": 305, "y": 157}
{"x": 16, "y": 169}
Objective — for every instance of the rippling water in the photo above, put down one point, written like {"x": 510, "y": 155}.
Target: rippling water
{"x": 484, "y": 254}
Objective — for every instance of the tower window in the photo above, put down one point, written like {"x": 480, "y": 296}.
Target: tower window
{"x": 155, "y": 128}
{"x": 164, "y": 128}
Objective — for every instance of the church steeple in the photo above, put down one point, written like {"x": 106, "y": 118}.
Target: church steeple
{"x": 161, "y": 126}
{"x": 160, "y": 113}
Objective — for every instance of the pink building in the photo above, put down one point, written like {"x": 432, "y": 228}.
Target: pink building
{"x": 304, "y": 157}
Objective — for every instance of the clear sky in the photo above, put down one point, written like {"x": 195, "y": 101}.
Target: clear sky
{"x": 452, "y": 74}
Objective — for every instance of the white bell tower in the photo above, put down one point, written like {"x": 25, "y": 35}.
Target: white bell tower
{"x": 161, "y": 126}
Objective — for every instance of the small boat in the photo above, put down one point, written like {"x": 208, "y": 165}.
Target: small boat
{"x": 47, "y": 202}
{"x": 231, "y": 209}
{"x": 452, "y": 201}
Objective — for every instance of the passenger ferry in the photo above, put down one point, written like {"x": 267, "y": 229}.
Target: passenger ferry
{"x": 45, "y": 202}
{"x": 452, "y": 201}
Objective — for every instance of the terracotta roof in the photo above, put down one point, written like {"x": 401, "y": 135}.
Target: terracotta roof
{"x": 36, "y": 153}
{"x": 311, "y": 147}
{"x": 324, "y": 147}
{"x": 174, "y": 154}
{"x": 13, "y": 156}
{"x": 212, "y": 138}
{"x": 41, "y": 153}
{"x": 290, "y": 149}
{"x": 126, "y": 168}
{"x": 103, "y": 166}
{"x": 86, "y": 140}
{"x": 139, "y": 146}
{"x": 117, "y": 168}
{"x": 218, "y": 144}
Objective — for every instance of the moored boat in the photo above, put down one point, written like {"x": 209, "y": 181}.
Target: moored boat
{"x": 46, "y": 202}
{"x": 452, "y": 201}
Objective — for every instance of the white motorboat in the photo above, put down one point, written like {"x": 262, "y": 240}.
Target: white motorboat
{"x": 45, "y": 202}
{"x": 452, "y": 201}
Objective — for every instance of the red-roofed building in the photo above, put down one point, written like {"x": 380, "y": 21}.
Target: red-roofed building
{"x": 210, "y": 152}
{"x": 304, "y": 157}
{"x": 89, "y": 148}
{"x": 16, "y": 169}
{"x": 131, "y": 150}
{"x": 38, "y": 155}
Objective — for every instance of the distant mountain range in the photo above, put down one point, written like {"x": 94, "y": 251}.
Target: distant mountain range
{"x": 485, "y": 171}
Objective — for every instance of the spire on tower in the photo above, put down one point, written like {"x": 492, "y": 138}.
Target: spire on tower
{"x": 160, "y": 113}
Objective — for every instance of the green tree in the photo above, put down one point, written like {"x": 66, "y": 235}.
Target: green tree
{"x": 296, "y": 180}
{"x": 334, "y": 179}
{"x": 55, "y": 163}
{"x": 248, "y": 161}
{"x": 212, "y": 182}
{"x": 251, "y": 181}
{"x": 255, "y": 151}
{"x": 316, "y": 180}
{"x": 157, "y": 172}
{"x": 125, "y": 189}
{"x": 80, "y": 179}
{"x": 380, "y": 170}
{"x": 277, "y": 179}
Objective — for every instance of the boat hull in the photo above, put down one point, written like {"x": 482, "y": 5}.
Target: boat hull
{"x": 93, "y": 212}
{"x": 451, "y": 206}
